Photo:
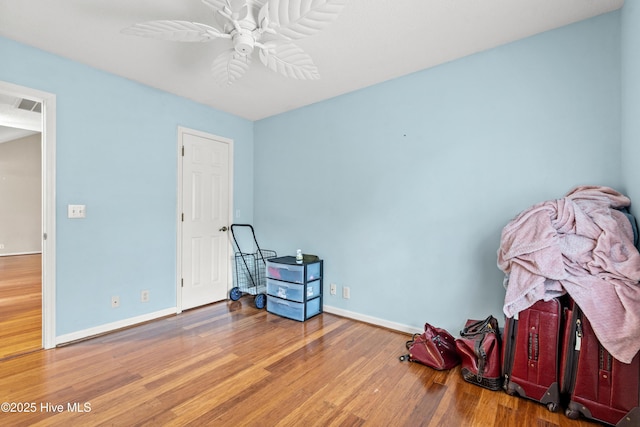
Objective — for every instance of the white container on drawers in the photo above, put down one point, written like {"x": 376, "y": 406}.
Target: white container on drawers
{"x": 294, "y": 290}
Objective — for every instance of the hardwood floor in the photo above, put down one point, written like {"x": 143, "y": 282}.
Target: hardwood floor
{"x": 229, "y": 364}
{"x": 20, "y": 304}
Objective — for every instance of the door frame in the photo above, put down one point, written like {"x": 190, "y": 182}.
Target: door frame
{"x": 181, "y": 131}
{"x": 48, "y": 171}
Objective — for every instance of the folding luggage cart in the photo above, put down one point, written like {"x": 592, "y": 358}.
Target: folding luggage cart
{"x": 250, "y": 270}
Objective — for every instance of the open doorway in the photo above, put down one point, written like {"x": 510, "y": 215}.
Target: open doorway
{"x": 27, "y": 249}
{"x": 20, "y": 228}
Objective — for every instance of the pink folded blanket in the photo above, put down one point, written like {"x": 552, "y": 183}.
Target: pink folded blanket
{"x": 582, "y": 245}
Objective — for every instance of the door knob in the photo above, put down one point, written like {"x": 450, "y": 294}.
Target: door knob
{"x": 224, "y": 228}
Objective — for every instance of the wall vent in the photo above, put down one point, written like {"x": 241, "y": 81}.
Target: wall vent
{"x": 29, "y": 105}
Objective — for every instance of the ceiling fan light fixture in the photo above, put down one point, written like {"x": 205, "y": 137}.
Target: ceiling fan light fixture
{"x": 269, "y": 25}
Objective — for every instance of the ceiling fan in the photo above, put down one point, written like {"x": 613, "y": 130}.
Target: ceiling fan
{"x": 268, "y": 25}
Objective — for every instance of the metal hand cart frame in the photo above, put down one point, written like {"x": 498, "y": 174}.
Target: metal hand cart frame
{"x": 250, "y": 270}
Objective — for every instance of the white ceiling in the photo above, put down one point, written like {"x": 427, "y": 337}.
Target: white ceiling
{"x": 370, "y": 42}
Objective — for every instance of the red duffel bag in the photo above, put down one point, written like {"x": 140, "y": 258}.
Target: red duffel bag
{"x": 479, "y": 350}
{"x": 434, "y": 348}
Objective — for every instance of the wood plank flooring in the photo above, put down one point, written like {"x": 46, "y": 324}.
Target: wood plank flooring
{"x": 20, "y": 304}
{"x": 229, "y": 364}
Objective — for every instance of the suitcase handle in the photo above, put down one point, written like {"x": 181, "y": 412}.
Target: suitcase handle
{"x": 534, "y": 346}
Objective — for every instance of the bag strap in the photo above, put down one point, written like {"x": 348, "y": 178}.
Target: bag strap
{"x": 481, "y": 355}
{"x": 411, "y": 341}
{"x": 479, "y": 327}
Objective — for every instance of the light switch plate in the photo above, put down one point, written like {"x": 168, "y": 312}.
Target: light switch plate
{"x": 76, "y": 211}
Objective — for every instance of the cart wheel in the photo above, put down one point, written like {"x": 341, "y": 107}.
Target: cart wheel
{"x": 260, "y": 301}
{"x": 572, "y": 414}
{"x": 403, "y": 357}
{"x": 552, "y": 406}
{"x": 235, "y": 294}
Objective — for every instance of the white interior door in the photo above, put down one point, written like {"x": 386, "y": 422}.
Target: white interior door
{"x": 205, "y": 219}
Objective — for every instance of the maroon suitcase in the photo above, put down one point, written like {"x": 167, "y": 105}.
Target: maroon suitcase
{"x": 600, "y": 387}
{"x": 531, "y": 351}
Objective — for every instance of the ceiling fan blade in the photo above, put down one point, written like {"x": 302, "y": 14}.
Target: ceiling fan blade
{"x": 289, "y": 60}
{"x": 295, "y": 19}
{"x": 234, "y": 11}
{"x": 239, "y": 8}
{"x": 215, "y": 4}
{"x": 236, "y": 5}
{"x": 264, "y": 24}
{"x": 182, "y": 31}
{"x": 229, "y": 66}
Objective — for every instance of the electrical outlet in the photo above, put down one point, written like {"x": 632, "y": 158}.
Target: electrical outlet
{"x": 144, "y": 296}
{"x": 76, "y": 211}
{"x": 115, "y": 302}
{"x": 346, "y": 292}
{"x": 333, "y": 289}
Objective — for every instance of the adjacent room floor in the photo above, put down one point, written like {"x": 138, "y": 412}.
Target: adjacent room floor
{"x": 20, "y": 304}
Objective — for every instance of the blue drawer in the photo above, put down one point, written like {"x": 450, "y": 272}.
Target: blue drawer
{"x": 293, "y": 291}
{"x": 293, "y": 273}
{"x": 292, "y": 310}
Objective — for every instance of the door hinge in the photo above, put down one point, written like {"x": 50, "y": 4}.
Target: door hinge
{"x": 183, "y": 151}
{"x": 44, "y": 236}
{"x": 182, "y": 216}
{"x": 182, "y": 283}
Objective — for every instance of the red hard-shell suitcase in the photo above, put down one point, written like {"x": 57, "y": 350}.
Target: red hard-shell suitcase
{"x": 600, "y": 387}
{"x": 531, "y": 351}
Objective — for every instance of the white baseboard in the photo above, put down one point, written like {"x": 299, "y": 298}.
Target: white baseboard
{"x": 372, "y": 320}
{"x": 21, "y": 253}
{"x": 109, "y": 327}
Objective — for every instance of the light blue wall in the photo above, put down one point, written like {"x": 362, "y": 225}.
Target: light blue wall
{"x": 403, "y": 188}
{"x": 631, "y": 101}
{"x": 116, "y": 153}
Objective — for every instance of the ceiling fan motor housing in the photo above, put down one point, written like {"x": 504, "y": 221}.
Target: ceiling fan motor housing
{"x": 243, "y": 42}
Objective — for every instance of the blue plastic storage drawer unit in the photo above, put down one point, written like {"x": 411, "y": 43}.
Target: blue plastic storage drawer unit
{"x": 294, "y": 290}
